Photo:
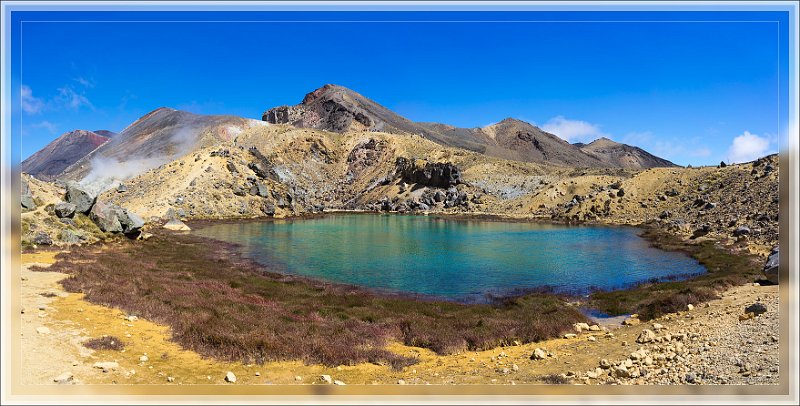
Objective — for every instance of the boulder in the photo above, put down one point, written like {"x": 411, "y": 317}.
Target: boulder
{"x": 539, "y": 354}
{"x": 176, "y": 225}
{"x": 80, "y": 197}
{"x": 26, "y": 198}
{"x": 130, "y": 222}
{"x": 771, "y": 266}
{"x": 106, "y": 217}
{"x": 41, "y": 238}
{"x": 64, "y": 209}
{"x": 68, "y": 236}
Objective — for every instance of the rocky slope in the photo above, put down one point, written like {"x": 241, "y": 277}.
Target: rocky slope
{"x": 49, "y": 162}
{"x": 622, "y": 155}
{"x": 338, "y": 109}
{"x": 157, "y": 138}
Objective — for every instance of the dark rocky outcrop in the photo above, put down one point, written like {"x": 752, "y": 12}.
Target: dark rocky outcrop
{"x": 433, "y": 174}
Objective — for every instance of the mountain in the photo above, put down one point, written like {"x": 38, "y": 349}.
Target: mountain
{"x": 156, "y": 138}
{"x": 105, "y": 133}
{"x": 622, "y": 155}
{"x": 50, "y": 161}
{"x": 339, "y": 109}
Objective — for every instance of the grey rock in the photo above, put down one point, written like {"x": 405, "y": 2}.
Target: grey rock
{"x": 26, "y": 196}
{"x": 105, "y": 216}
{"x": 64, "y": 209}
{"x": 70, "y": 237}
{"x": 42, "y": 238}
{"x": 80, "y": 197}
{"x": 122, "y": 188}
{"x": 130, "y": 222}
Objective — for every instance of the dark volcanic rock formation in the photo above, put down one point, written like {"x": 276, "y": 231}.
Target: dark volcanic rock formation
{"x": 53, "y": 159}
{"x": 435, "y": 174}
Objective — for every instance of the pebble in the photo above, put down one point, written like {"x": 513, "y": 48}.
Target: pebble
{"x": 230, "y": 377}
{"x": 326, "y": 378}
{"x": 338, "y": 382}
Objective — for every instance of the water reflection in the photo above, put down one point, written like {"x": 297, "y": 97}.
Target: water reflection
{"x": 454, "y": 259}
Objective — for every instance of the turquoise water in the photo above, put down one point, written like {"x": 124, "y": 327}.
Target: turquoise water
{"x": 463, "y": 260}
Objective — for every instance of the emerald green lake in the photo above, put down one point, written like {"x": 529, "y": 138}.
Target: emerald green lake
{"x": 461, "y": 260}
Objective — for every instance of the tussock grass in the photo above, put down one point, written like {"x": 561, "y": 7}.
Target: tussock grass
{"x": 652, "y": 300}
{"x": 105, "y": 343}
{"x": 223, "y": 306}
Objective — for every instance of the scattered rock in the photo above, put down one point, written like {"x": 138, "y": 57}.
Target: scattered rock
{"x": 756, "y": 308}
{"x": 338, "y": 382}
{"x": 64, "y": 378}
{"x": 230, "y": 377}
{"x": 143, "y": 358}
{"x": 106, "y": 366}
{"x": 326, "y": 378}
{"x": 646, "y": 336}
{"x": 176, "y": 225}
{"x": 42, "y": 330}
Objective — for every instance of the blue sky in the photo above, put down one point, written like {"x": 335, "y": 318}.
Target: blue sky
{"x": 692, "y": 92}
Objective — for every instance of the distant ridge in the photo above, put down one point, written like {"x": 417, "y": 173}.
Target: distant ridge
{"x": 50, "y": 161}
{"x": 339, "y": 109}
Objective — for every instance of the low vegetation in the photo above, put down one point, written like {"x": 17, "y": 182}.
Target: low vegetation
{"x": 651, "y": 300}
{"x": 105, "y": 343}
{"x": 221, "y": 305}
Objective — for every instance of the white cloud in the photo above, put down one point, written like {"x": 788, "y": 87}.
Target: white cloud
{"x": 748, "y": 147}
{"x": 68, "y": 97}
{"x": 30, "y": 104}
{"x": 50, "y": 127}
{"x": 84, "y": 81}
{"x": 573, "y": 130}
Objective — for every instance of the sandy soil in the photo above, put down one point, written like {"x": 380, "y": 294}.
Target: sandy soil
{"x": 717, "y": 342}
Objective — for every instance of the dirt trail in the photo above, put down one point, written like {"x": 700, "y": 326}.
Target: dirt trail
{"x": 71, "y": 321}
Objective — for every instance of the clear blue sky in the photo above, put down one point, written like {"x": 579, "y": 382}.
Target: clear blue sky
{"x": 684, "y": 91}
